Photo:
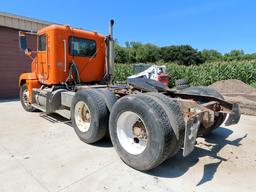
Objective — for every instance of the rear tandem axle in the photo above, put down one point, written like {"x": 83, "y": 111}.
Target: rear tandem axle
{"x": 147, "y": 122}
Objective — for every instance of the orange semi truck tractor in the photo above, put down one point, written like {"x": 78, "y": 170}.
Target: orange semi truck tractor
{"x": 71, "y": 74}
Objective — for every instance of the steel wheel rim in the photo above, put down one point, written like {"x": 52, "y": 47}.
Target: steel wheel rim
{"x": 82, "y": 116}
{"x": 132, "y": 133}
{"x": 25, "y": 97}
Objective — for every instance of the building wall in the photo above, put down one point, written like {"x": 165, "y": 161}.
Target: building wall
{"x": 21, "y": 22}
{"x": 13, "y": 61}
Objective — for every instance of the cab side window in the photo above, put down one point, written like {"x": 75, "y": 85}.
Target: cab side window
{"x": 42, "y": 43}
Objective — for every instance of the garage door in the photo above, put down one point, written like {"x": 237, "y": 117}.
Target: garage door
{"x": 13, "y": 62}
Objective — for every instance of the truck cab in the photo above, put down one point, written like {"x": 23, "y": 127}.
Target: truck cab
{"x": 65, "y": 56}
{"x": 59, "y": 46}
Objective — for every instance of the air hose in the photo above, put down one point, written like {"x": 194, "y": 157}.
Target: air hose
{"x": 73, "y": 68}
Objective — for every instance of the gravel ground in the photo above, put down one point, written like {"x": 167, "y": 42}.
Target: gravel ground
{"x": 42, "y": 153}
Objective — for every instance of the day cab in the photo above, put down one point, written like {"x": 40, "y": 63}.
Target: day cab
{"x": 57, "y": 48}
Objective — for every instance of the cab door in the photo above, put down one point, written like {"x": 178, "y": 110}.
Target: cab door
{"x": 42, "y": 58}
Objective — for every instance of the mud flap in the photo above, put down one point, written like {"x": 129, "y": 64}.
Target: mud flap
{"x": 191, "y": 129}
{"x": 234, "y": 116}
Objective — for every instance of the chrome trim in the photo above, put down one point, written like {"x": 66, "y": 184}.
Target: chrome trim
{"x": 65, "y": 56}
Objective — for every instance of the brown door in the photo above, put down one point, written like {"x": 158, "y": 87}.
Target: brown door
{"x": 42, "y": 58}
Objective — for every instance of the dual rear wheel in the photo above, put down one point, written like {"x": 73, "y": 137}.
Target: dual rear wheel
{"x": 90, "y": 114}
{"x": 142, "y": 132}
{"x": 145, "y": 129}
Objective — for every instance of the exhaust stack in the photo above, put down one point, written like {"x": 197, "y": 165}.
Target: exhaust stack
{"x": 111, "y": 51}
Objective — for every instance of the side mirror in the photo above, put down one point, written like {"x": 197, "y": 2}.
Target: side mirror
{"x": 22, "y": 41}
{"x": 28, "y": 52}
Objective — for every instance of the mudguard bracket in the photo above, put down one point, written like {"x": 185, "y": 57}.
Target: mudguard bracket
{"x": 234, "y": 116}
{"x": 191, "y": 129}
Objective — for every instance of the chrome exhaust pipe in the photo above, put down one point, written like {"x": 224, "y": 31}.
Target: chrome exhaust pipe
{"x": 111, "y": 51}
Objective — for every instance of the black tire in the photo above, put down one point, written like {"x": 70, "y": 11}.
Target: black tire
{"x": 159, "y": 134}
{"x": 24, "y": 99}
{"x": 219, "y": 119}
{"x": 98, "y": 115}
{"x": 181, "y": 84}
{"x": 108, "y": 96}
{"x": 176, "y": 121}
{"x": 181, "y": 87}
{"x": 181, "y": 81}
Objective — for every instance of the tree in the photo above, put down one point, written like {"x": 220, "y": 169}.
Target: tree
{"x": 182, "y": 54}
{"x": 134, "y": 52}
{"x": 152, "y": 53}
{"x": 211, "y": 55}
{"x": 120, "y": 54}
{"x": 234, "y": 55}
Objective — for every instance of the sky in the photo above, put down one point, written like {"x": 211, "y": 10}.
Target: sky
{"x": 223, "y": 25}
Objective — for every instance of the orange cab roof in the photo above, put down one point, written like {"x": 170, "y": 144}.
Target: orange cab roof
{"x": 75, "y": 31}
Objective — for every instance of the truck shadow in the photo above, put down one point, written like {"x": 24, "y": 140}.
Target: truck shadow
{"x": 105, "y": 142}
{"x": 178, "y": 165}
{"x": 56, "y": 118}
{"x": 9, "y": 100}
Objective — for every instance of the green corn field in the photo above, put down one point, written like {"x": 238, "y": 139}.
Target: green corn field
{"x": 204, "y": 74}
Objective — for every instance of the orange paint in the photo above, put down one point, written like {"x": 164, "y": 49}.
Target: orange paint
{"x": 48, "y": 67}
{"x": 32, "y": 84}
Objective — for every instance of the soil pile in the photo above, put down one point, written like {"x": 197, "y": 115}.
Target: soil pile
{"x": 237, "y": 91}
{"x": 233, "y": 86}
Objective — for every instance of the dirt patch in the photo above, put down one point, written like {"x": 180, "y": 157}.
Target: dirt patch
{"x": 233, "y": 86}
{"x": 237, "y": 91}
